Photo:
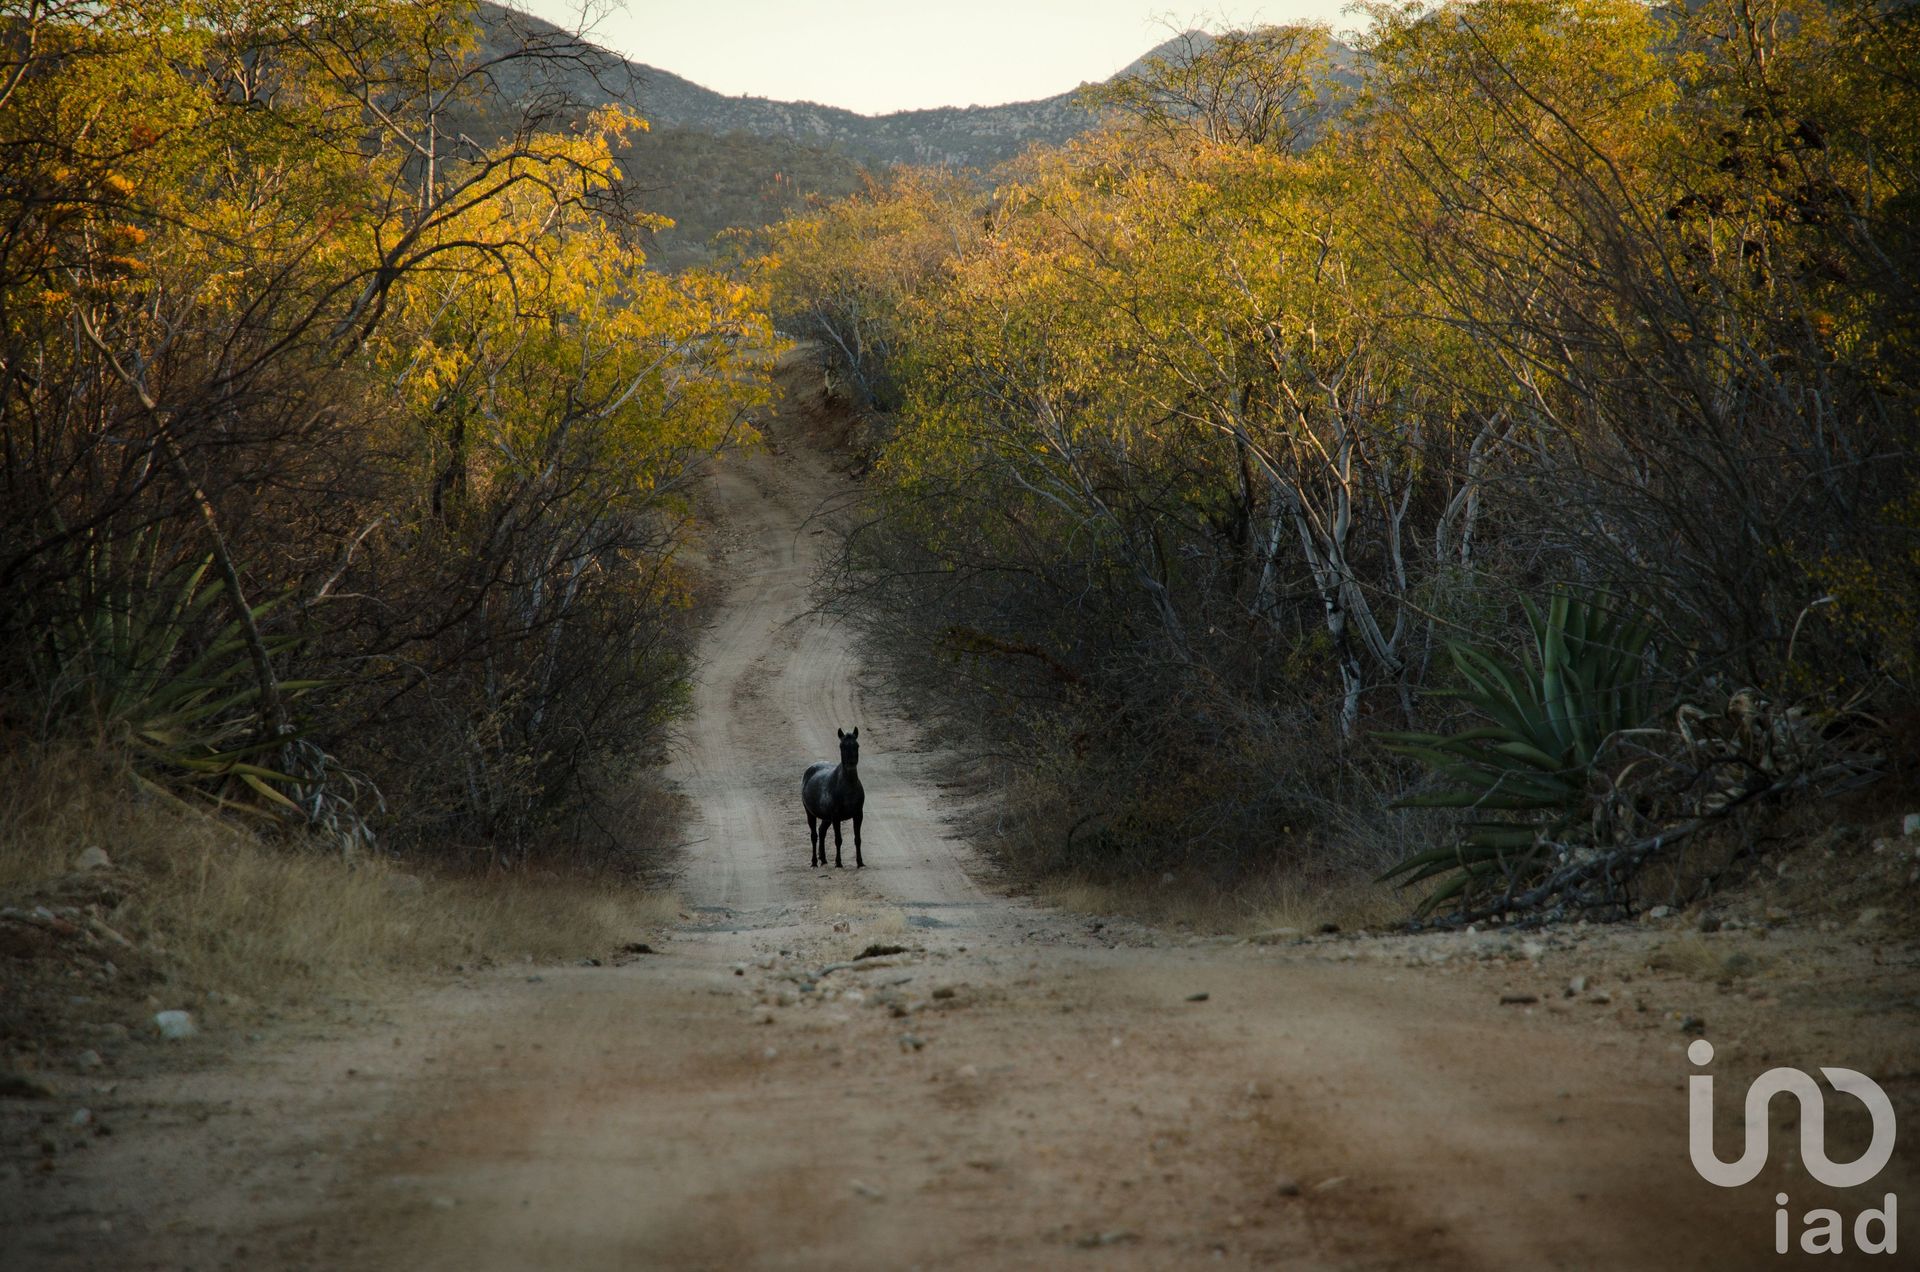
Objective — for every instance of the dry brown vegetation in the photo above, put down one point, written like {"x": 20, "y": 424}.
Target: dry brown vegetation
{"x": 218, "y": 918}
{"x": 347, "y": 448}
{"x": 1492, "y": 457}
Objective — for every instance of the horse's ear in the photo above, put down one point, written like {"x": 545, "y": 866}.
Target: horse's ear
{"x": 839, "y": 733}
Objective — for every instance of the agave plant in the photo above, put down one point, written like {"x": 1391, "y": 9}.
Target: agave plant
{"x": 1549, "y": 721}
{"x": 115, "y": 656}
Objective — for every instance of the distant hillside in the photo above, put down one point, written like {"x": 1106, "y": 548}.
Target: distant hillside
{"x": 714, "y": 162}
{"x": 710, "y": 184}
{"x": 957, "y": 136}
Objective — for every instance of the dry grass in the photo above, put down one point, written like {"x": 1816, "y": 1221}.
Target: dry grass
{"x": 1281, "y": 903}
{"x": 867, "y": 922}
{"x": 1351, "y": 904}
{"x": 1692, "y": 956}
{"x": 219, "y": 908}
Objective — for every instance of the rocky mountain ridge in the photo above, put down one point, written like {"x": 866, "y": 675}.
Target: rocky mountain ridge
{"x": 951, "y": 136}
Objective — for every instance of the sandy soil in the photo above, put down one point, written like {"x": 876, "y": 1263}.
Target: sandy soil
{"x": 1018, "y": 1087}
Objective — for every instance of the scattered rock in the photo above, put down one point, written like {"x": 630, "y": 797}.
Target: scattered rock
{"x": 81, "y": 1117}
{"x": 911, "y": 1042}
{"x": 1692, "y": 1025}
{"x": 536, "y": 980}
{"x": 879, "y": 951}
{"x": 1328, "y": 1185}
{"x": 966, "y": 1071}
{"x": 1200, "y": 997}
{"x": 868, "y": 1191}
{"x": 88, "y": 1060}
{"x": 1600, "y": 998}
{"x": 1576, "y": 987}
{"x": 636, "y": 947}
{"x": 589, "y": 962}
{"x": 1870, "y": 917}
{"x": 405, "y": 885}
{"x": 1093, "y": 1241}
{"x": 1660, "y": 912}
{"x": 93, "y": 858}
{"x": 105, "y": 933}
{"x": 1910, "y": 824}
{"x": 175, "y": 1026}
{"x": 1287, "y": 1187}
{"x": 1518, "y": 1000}
{"x": 945, "y": 991}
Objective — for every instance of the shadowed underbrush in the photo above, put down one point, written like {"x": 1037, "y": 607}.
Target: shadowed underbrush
{"x": 211, "y": 911}
{"x": 1488, "y": 459}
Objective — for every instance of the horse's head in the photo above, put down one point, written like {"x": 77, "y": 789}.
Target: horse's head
{"x": 850, "y": 747}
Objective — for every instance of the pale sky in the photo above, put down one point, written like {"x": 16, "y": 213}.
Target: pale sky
{"x": 876, "y": 56}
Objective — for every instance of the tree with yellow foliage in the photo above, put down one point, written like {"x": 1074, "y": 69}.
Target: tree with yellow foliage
{"x": 1221, "y": 422}
{"x": 299, "y": 292}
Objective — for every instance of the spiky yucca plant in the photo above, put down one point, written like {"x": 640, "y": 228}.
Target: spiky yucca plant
{"x": 1550, "y": 718}
{"x": 113, "y": 656}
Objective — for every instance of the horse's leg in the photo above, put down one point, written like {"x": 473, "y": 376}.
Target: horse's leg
{"x": 813, "y": 842}
{"x": 858, "y": 862}
{"x": 837, "y": 864}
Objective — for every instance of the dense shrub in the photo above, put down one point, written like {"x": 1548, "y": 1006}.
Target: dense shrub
{"x": 344, "y": 453}
{"x": 1204, "y": 433}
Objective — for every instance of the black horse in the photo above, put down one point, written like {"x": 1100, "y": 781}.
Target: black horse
{"x": 831, "y": 794}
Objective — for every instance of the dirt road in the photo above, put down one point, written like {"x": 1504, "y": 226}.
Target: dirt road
{"x": 1020, "y": 1088}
